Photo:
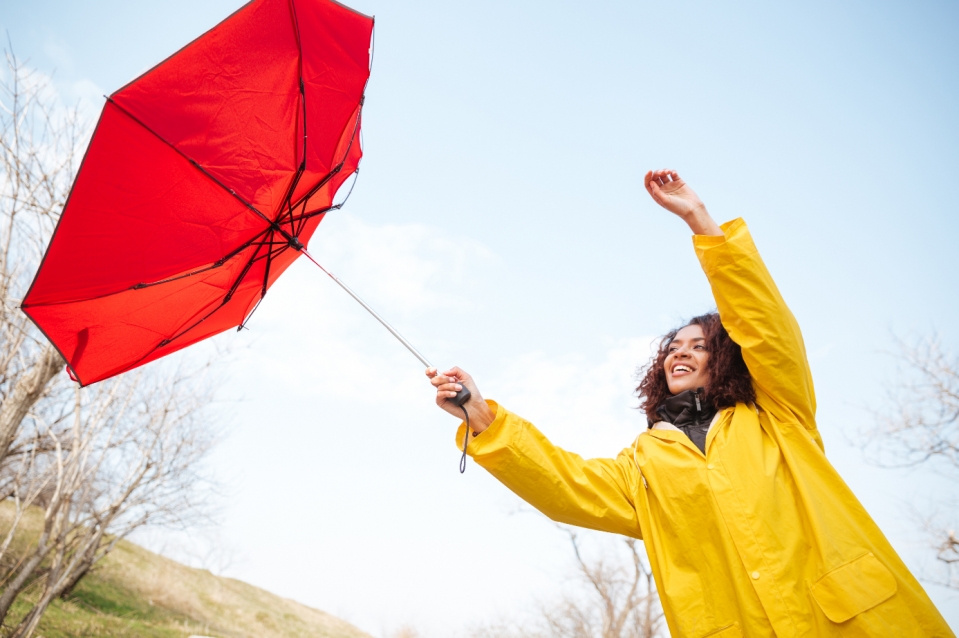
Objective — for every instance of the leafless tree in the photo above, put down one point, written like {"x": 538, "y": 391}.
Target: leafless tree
{"x": 620, "y": 602}
{"x": 947, "y": 552}
{"x": 100, "y": 462}
{"x": 40, "y": 146}
{"x": 130, "y": 458}
{"x": 919, "y": 426}
{"x": 617, "y": 598}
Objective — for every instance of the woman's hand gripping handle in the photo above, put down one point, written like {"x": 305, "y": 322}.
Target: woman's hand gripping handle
{"x": 457, "y": 394}
{"x": 450, "y": 383}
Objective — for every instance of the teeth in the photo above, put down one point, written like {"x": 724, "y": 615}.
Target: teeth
{"x": 681, "y": 369}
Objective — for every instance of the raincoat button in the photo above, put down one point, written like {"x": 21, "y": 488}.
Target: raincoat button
{"x": 710, "y": 466}
{"x": 755, "y": 575}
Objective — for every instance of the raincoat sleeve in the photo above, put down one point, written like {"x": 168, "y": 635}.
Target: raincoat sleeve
{"x": 592, "y": 493}
{"x": 756, "y": 317}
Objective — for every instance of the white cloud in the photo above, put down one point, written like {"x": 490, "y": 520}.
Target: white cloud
{"x": 402, "y": 270}
{"x": 323, "y": 373}
{"x": 587, "y": 406}
{"x": 59, "y": 54}
{"x": 414, "y": 269}
{"x": 405, "y": 272}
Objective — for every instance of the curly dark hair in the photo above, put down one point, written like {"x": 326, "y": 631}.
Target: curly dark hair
{"x": 729, "y": 380}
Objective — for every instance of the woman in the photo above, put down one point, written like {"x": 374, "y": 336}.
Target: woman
{"x": 750, "y": 531}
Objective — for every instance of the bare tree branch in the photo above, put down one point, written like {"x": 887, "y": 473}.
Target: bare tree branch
{"x": 99, "y": 462}
{"x": 623, "y": 601}
{"x": 617, "y": 598}
{"x": 919, "y": 426}
{"x": 39, "y": 147}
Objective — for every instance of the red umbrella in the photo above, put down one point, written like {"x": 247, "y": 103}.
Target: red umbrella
{"x": 204, "y": 179}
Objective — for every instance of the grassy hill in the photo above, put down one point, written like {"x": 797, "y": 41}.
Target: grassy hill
{"x": 135, "y": 592}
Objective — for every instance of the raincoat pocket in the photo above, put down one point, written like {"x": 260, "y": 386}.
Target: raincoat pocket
{"x": 853, "y": 588}
{"x": 730, "y": 631}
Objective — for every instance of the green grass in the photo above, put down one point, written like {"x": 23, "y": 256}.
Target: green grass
{"x": 101, "y": 608}
{"x": 134, "y": 592}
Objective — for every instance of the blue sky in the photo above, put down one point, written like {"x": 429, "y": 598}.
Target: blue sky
{"x": 500, "y": 222}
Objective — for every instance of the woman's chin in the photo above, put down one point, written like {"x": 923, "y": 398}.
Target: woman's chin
{"x": 681, "y": 385}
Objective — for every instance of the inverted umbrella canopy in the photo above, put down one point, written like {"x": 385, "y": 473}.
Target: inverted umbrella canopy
{"x": 202, "y": 182}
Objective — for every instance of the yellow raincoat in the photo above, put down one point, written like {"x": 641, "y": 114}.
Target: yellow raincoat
{"x": 758, "y": 537}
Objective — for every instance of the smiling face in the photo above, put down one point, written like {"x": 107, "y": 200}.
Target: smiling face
{"x": 686, "y": 360}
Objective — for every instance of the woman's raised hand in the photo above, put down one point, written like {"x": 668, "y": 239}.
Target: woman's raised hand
{"x": 669, "y": 190}
{"x": 447, "y": 384}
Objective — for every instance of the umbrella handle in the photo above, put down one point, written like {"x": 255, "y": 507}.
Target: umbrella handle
{"x": 461, "y": 397}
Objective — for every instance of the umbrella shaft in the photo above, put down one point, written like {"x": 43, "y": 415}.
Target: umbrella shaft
{"x": 383, "y": 321}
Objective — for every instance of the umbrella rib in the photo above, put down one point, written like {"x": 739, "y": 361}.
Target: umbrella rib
{"x": 302, "y": 217}
{"x": 274, "y": 226}
{"x": 356, "y": 126}
{"x": 293, "y": 241}
{"x": 299, "y": 70}
{"x": 266, "y": 280}
{"x": 226, "y": 300}
{"x": 266, "y": 274}
{"x": 320, "y": 211}
{"x": 306, "y": 198}
{"x": 290, "y": 190}
{"x": 313, "y": 213}
{"x": 265, "y": 242}
{"x": 336, "y": 169}
{"x": 217, "y": 264}
{"x": 291, "y": 238}
{"x": 302, "y": 208}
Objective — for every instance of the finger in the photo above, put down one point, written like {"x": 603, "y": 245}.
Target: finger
{"x": 449, "y": 387}
{"x": 439, "y": 380}
{"x": 647, "y": 180}
{"x": 443, "y": 395}
{"x": 655, "y": 191}
{"x": 457, "y": 373}
{"x": 431, "y": 372}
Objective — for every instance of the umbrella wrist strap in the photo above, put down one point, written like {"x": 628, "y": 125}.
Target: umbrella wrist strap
{"x": 466, "y": 438}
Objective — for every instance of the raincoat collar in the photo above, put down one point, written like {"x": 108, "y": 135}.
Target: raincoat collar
{"x": 666, "y": 430}
{"x": 689, "y": 412}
